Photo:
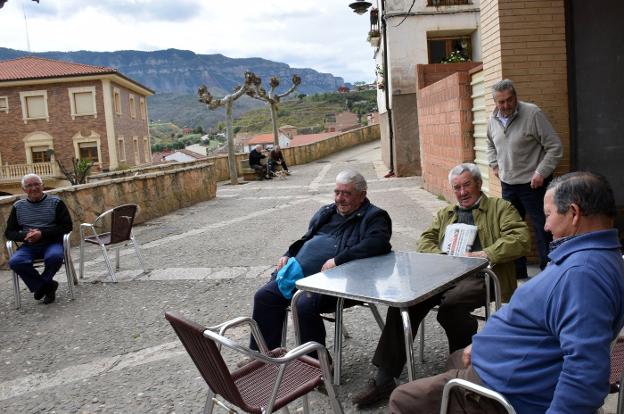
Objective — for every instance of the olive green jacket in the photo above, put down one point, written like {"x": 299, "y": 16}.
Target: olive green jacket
{"x": 502, "y": 233}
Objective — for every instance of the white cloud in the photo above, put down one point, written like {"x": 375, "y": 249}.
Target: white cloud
{"x": 323, "y": 34}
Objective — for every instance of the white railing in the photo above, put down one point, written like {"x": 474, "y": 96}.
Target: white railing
{"x": 19, "y": 170}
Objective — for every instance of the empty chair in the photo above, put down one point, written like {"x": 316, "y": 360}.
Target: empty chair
{"x": 120, "y": 231}
{"x": 271, "y": 381}
{"x": 67, "y": 261}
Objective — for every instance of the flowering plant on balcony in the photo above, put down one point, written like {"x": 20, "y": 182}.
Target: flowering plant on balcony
{"x": 455, "y": 57}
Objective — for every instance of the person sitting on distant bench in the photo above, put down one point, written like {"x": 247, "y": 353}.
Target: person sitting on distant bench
{"x": 255, "y": 157}
{"x": 277, "y": 158}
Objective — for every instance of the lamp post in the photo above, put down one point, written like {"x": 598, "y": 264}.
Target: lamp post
{"x": 360, "y": 7}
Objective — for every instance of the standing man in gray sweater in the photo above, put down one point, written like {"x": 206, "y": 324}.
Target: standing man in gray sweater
{"x": 523, "y": 151}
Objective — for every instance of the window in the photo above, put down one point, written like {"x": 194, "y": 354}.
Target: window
{"x": 137, "y": 154}
{"x": 143, "y": 108}
{"x": 82, "y": 101}
{"x": 117, "y": 101}
{"x": 146, "y": 149}
{"x": 34, "y": 105}
{"x": 40, "y": 153}
{"x": 38, "y": 147}
{"x": 132, "y": 104}
{"x": 121, "y": 149}
{"x": 441, "y": 47}
{"x": 88, "y": 151}
{"x": 4, "y": 104}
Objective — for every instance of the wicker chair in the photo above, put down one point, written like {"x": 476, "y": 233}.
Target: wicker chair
{"x": 271, "y": 381}
{"x": 120, "y": 231}
{"x": 67, "y": 261}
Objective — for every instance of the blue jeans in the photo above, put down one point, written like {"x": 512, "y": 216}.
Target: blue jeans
{"x": 22, "y": 263}
{"x": 269, "y": 312}
{"x": 530, "y": 201}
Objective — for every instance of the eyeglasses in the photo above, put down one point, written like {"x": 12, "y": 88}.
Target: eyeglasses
{"x": 31, "y": 185}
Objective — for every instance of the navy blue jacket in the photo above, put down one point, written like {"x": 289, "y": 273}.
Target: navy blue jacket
{"x": 367, "y": 233}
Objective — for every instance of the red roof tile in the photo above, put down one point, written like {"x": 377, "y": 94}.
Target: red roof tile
{"x": 261, "y": 139}
{"x": 311, "y": 138}
{"x": 30, "y": 67}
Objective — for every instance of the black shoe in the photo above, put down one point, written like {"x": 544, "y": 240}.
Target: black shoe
{"x": 373, "y": 393}
{"x": 39, "y": 293}
{"x": 50, "y": 292}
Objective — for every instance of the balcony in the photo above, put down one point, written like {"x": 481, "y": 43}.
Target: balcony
{"x": 17, "y": 171}
{"x": 437, "y": 3}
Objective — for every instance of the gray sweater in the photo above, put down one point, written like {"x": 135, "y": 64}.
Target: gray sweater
{"x": 527, "y": 144}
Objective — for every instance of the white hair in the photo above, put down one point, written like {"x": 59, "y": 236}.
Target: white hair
{"x": 28, "y": 177}
{"x": 462, "y": 168}
{"x": 351, "y": 176}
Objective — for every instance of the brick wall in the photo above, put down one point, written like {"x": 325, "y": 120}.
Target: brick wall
{"x": 525, "y": 42}
{"x": 128, "y": 127}
{"x": 429, "y": 74}
{"x": 445, "y": 121}
{"x": 60, "y": 125}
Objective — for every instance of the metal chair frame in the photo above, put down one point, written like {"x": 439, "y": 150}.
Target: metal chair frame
{"x": 70, "y": 271}
{"x": 279, "y": 359}
{"x": 490, "y": 277}
{"x": 96, "y": 238}
{"x": 477, "y": 389}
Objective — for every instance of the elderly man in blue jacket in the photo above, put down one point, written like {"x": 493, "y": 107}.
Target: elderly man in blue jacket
{"x": 547, "y": 351}
{"x": 350, "y": 228}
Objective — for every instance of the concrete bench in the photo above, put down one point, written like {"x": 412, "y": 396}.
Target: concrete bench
{"x": 246, "y": 171}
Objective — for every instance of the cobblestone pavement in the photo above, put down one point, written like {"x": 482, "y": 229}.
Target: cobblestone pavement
{"x": 111, "y": 350}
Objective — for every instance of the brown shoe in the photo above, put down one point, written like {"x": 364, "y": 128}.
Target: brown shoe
{"x": 373, "y": 393}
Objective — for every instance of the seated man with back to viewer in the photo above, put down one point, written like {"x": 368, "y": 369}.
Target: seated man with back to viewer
{"x": 39, "y": 221}
{"x": 502, "y": 236}
{"x": 547, "y": 351}
{"x": 350, "y": 228}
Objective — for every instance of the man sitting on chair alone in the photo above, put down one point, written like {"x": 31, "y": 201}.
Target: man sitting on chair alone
{"x": 39, "y": 221}
{"x": 547, "y": 351}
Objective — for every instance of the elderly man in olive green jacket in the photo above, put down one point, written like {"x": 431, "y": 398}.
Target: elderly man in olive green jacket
{"x": 502, "y": 236}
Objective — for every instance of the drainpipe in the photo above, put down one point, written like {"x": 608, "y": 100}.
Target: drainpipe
{"x": 387, "y": 84}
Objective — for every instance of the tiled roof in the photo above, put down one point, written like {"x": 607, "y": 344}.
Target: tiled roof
{"x": 30, "y": 67}
{"x": 261, "y": 139}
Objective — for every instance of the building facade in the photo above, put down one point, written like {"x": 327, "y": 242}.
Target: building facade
{"x": 53, "y": 110}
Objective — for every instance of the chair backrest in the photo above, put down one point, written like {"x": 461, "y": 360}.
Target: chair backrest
{"x": 121, "y": 222}
{"x": 207, "y": 358}
{"x": 617, "y": 364}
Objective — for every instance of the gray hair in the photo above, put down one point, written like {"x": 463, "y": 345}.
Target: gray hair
{"x": 504, "y": 85}
{"x": 591, "y": 192}
{"x": 28, "y": 177}
{"x": 351, "y": 176}
{"x": 462, "y": 168}
{"x": 258, "y": 147}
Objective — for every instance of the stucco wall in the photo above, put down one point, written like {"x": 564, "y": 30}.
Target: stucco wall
{"x": 156, "y": 193}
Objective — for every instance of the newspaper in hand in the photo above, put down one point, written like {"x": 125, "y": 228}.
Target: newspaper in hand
{"x": 458, "y": 239}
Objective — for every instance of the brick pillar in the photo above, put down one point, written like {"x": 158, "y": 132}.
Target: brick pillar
{"x": 525, "y": 42}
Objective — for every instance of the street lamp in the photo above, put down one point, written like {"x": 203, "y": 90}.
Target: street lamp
{"x": 360, "y": 6}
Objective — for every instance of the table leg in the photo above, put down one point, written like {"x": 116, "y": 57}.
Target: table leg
{"x": 295, "y": 317}
{"x": 338, "y": 341}
{"x": 409, "y": 342}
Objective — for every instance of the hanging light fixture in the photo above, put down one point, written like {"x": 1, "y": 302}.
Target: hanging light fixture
{"x": 360, "y": 6}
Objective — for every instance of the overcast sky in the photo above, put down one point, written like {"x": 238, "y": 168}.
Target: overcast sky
{"x": 324, "y": 35}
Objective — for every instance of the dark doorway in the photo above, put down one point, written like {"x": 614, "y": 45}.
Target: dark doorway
{"x": 596, "y": 89}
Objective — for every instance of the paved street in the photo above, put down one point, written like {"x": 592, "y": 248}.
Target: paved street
{"x": 112, "y": 351}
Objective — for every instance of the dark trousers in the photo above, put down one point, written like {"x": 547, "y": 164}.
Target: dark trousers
{"x": 273, "y": 165}
{"x": 269, "y": 312}
{"x": 424, "y": 396}
{"x": 456, "y": 304}
{"x": 530, "y": 201}
{"x": 261, "y": 170}
{"x": 22, "y": 263}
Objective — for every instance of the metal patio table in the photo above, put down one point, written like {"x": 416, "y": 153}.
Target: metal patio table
{"x": 397, "y": 279}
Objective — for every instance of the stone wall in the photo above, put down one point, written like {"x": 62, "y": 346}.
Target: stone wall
{"x": 156, "y": 193}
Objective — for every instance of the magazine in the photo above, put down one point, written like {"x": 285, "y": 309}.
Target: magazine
{"x": 458, "y": 239}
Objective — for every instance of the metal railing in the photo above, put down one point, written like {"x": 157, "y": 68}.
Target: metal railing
{"x": 19, "y": 170}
